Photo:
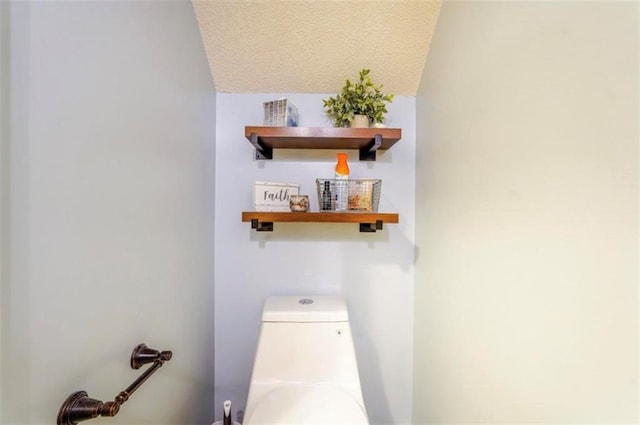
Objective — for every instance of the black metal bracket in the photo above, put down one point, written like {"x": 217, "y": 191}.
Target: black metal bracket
{"x": 267, "y": 226}
{"x": 261, "y": 226}
{"x": 371, "y": 227}
{"x": 368, "y": 153}
{"x": 80, "y": 407}
{"x": 262, "y": 151}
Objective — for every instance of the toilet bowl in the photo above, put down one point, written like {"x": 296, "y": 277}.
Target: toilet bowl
{"x": 305, "y": 370}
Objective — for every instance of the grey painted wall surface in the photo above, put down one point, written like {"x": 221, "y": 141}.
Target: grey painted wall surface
{"x": 527, "y": 177}
{"x": 111, "y": 202}
{"x": 4, "y": 163}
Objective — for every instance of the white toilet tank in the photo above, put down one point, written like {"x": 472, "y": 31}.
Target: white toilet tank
{"x": 305, "y": 369}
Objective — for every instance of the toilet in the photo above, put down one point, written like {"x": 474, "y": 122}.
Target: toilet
{"x": 305, "y": 370}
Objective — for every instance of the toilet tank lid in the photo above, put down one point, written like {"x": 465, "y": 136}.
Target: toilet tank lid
{"x": 305, "y": 309}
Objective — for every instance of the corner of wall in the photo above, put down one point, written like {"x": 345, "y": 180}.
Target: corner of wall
{"x": 4, "y": 182}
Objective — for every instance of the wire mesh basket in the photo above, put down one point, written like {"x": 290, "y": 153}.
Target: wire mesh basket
{"x": 349, "y": 195}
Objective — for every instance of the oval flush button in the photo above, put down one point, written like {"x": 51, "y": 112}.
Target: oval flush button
{"x": 304, "y": 301}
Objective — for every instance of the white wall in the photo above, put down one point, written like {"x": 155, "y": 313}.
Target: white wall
{"x": 373, "y": 271}
{"x": 111, "y": 210}
{"x": 527, "y": 193}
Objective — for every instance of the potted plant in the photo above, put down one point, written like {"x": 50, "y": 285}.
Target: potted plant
{"x": 362, "y": 97}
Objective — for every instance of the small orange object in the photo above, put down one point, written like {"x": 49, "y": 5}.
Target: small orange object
{"x": 342, "y": 168}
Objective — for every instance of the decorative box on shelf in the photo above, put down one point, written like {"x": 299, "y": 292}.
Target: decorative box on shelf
{"x": 271, "y": 196}
{"x": 280, "y": 113}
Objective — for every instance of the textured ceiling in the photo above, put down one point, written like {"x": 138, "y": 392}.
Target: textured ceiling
{"x": 312, "y": 46}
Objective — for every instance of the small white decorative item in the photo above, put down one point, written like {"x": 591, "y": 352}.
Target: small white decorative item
{"x": 271, "y": 196}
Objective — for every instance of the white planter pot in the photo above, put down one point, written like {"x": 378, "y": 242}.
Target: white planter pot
{"x": 360, "y": 121}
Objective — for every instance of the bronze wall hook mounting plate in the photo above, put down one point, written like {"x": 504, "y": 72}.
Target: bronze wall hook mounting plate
{"x": 80, "y": 407}
{"x": 69, "y": 405}
{"x": 142, "y": 355}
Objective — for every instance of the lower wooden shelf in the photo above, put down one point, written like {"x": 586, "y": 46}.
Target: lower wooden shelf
{"x": 369, "y": 222}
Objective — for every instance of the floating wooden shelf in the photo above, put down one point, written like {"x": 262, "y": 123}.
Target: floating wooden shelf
{"x": 366, "y": 140}
{"x": 369, "y": 222}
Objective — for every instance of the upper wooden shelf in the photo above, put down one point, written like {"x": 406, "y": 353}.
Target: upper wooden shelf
{"x": 366, "y": 140}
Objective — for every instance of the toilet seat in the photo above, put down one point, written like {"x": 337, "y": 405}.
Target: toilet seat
{"x": 308, "y": 405}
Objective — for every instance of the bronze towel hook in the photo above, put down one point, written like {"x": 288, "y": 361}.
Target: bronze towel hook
{"x": 80, "y": 407}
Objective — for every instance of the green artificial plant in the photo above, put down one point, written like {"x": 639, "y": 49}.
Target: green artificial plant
{"x": 362, "y": 97}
